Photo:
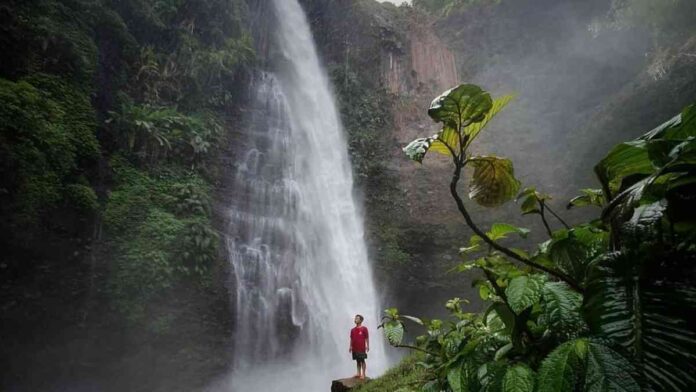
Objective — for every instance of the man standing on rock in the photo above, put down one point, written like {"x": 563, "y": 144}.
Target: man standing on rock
{"x": 359, "y": 345}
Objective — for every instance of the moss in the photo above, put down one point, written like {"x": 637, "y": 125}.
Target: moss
{"x": 160, "y": 229}
{"x": 407, "y": 376}
{"x": 48, "y": 132}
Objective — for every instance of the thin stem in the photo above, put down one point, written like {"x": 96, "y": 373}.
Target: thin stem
{"x": 567, "y": 226}
{"x": 542, "y": 207}
{"x": 462, "y": 209}
{"x": 417, "y": 349}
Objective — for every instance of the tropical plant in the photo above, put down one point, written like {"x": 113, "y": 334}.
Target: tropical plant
{"x": 599, "y": 306}
{"x": 152, "y": 133}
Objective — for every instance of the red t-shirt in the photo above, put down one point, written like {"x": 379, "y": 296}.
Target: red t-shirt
{"x": 358, "y": 336}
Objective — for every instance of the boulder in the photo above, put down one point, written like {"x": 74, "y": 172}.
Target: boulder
{"x": 346, "y": 384}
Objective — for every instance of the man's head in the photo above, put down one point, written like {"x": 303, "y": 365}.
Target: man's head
{"x": 359, "y": 319}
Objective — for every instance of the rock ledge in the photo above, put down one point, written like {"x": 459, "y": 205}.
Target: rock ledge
{"x": 346, "y": 384}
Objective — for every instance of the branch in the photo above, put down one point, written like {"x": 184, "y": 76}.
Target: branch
{"x": 557, "y": 216}
{"x": 495, "y": 245}
{"x": 543, "y": 218}
{"x": 417, "y": 349}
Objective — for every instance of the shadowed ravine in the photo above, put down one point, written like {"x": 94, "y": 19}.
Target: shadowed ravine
{"x": 296, "y": 244}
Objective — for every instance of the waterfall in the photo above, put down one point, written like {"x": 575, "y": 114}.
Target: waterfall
{"x": 295, "y": 238}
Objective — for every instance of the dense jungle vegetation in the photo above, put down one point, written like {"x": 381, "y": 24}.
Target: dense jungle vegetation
{"x": 114, "y": 116}
{"x": 596, "y": 307}
{"x": 109, "y": 114}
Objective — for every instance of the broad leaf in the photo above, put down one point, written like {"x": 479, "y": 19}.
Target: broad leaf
{"x": 463, "y": 378}
{"x": 530, "y": 200}
{"x": 561, "y": 307}
{"x": 608, "y": 371}
{"x": 641, "y": 300}
{"x": 501, "y": 230}
{"x": 394, "y": 331}
{"x": 572, "y": 250}
{"x": 524, "y": 291}
{"x": 561, "y": 370}
{"x": 504, "y": 314}
{"x": 623, "y": 161}
{"x": 518, "y": 378}
{"x": 490, "y": 376}
{"x": 493, "y": 182}
{"x": 457, "y": 379}
{"x": 416, "y": 149}
{"x": 586, "y": 365}
{"x": 460, "y": 106}
{"x": 446, "y": 141}
{"x": 474, "y": 129}
{"x": 589, "y": 197}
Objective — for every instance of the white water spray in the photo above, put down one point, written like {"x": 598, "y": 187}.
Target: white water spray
{"x": 296, "y": 236}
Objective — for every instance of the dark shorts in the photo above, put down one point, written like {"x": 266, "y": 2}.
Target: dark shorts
{"x": 359, "y": 356}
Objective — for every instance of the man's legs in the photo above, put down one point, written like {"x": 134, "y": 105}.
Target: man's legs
{"x": 359, "y": 367}
{"x": 364, "y": 368}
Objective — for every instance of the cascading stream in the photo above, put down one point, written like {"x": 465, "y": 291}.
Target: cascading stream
{"x": 296, "y": 235}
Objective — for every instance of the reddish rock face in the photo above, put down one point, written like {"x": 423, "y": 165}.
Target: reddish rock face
{"x": 427, "y": 66}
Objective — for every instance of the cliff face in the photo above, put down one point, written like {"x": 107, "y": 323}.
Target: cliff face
{"x": 427, "y": 65}
{"x": 412, "y": 225}
{"x": 577, "y": 95}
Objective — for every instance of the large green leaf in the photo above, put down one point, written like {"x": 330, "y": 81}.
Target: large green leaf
{"x": 446, "y": 142}
{"x": 530, "y": 200}
{"x": 448, "y": 139}
{"x": 642, "y": 300}
{"x": 501, "y": 230}
{"x": 472, "y": 130}
{"x": 524, "y": 291}
{"x": 624, "y": 161}
{"x": 490, "y": 376}
{"x": 607, "y": 371}
{"x": 455, "y": 379}
{"x": 417, "y": 149}
{"x": 572, "y": 250}
{"x": 518, "y": 378}
{"x": 585, "y": 365}
{"x": 394, "y": 331}
{"x": 562, "y": 369}
{"x": 589, "y": 197}
{"x": 460, "y": 106}
{"x": 493, "y": 182}
{"x": 561, "y": 309}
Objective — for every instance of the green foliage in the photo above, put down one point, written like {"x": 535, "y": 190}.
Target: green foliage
{"x": 46, "y": 136}
{"x": 464, "y": 111}
{"x": 571, "y": 251}
{"x": 365, "y": 111}
{"x": 616, "y": 320}
{"x": 404, "y": 377}
{"x": 161, "y": 231}
{"x": 518, "y": 378}
{"x": 524, "y": 291}
{"x": 493, "y": 182}
{"x": 657, "y": 166}
{"x": 153, "y": 133}
{"x": 589, "y": 197}
{"x": 636, "y": 298}
{"x": 446, "y": 7}
{"x": 586, "y": 365}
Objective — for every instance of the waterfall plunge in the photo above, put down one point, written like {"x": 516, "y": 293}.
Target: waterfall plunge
{"x": 296, "y": 237}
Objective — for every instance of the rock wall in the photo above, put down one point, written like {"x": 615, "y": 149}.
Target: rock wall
{"x": 428, "y": 65}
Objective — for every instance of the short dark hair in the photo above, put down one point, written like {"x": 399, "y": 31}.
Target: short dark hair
{"x": 361, "y": 317}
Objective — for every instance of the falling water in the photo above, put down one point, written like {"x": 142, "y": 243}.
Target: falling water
{"x": 296, "y": 237}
